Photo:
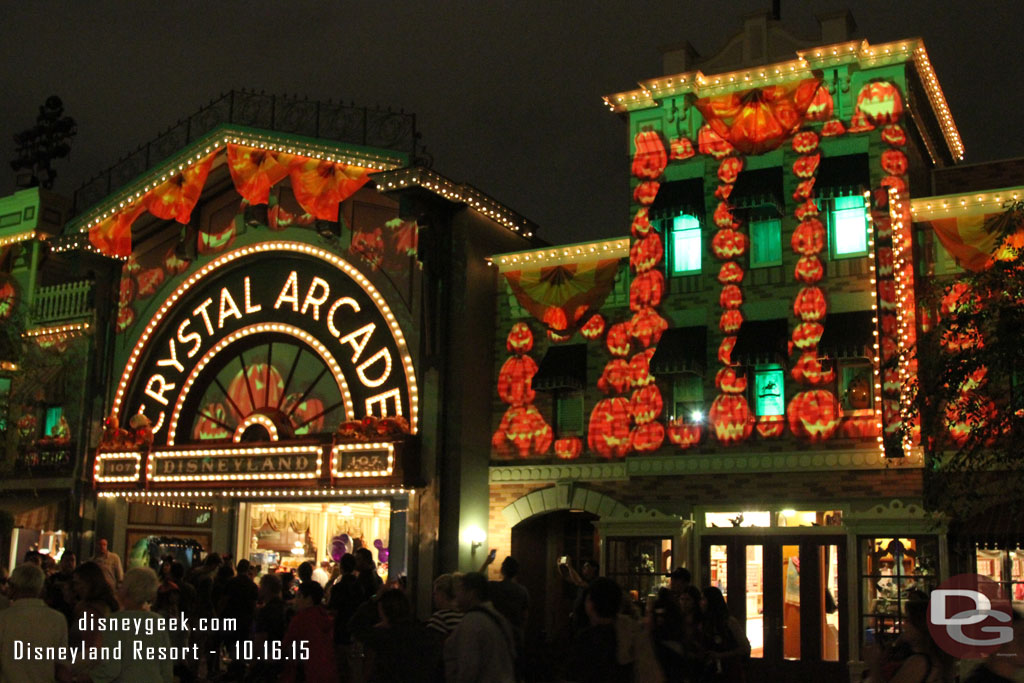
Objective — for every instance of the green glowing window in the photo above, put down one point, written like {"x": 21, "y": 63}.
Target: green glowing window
{"x": 769, "y": 397}
{"x": 765, "y": 243}
{"x": 688, "y": 397}
{"x": 53, "y": 415}
{"x": 848, "y": 227}
{"x": 569, "y": 414}
{"x": 684, "y": 245}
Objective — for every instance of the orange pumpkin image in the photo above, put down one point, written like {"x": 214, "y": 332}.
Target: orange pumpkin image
{"x": 125, "y": 317}
{"x": 514, "y": 380}
{"x": 174, "y": 265}
{"x": 859, "y": 427}
{"x": 806, "y": 166}
{"x": 646, "y": 289}
{"x": 306, "y": 416}
{"x": 806, "y": 210}
{"x": 730, "y": 321}
{"x": 723, "y": 192}
{"x": 771, "y": 426}
{"x": 807, "y": 335}
{"x": 520, "y": 338}
{"x": 594, "y": 327}
{"x": 609, "y": 428}
{"x": 805, "y": 142}
{"x": 884, "y": 255}
{"x": 646, "y": 404}
{"x": 728, "y": 244}
{"x": 731, "y": 297}
{"x": 646, "y": 252}
{"x": 684, "y": 434}
{"x": 680, "y": 148}
{"x": 804, "y": 190}
{"x": 646, "y": 326}
{"x": 729, "y": 382}
{"x": 833, "y": 128}
{"x": 814, "y": 415}
{"x": 895, "y": 182}
{"x": 650, "y": 159}
{"x": 809, "y": 237}
{"x": 729, "y": 169}
{"x": 730, "y": 272}
{"x": 725, "y": 350}
{"x": 820, "y": 108}
{"x": 216, "y": 239}
{"x": 149, "y": 281}
{"x": 556, "y": 320}
{"x": 810, "y": 304}
{"x": 710, "y": 142}
{"x": 617, "y": 376}
{"x": 8, "y": 299}
{"x": 888, "y": 324}
{"x": 641, "y": 223}
{"x": 859, "y": 124}
{"x": 617, "y": 340}
{"x": 891, "y": 382}
{"x": 647, "y": 437}
{"x": 760, "y": 119}
{"x": 210, "y": 425}
{"x": 809, "y": 270}
{"x": 523, "y": 431}
{"x": 882, "y": 224}
{"x": 880, "y": 102}
{"x": 645, "y": 192}
{"x": 894, "y": 162}
{"x": 261, "y": 385}
{"x": 730, "y": 419}
{"x": 369, "y": 246}
{"x": 723, "y": 216}
{"x": 640, "y": 368}
{"x": 958, "y": 298}
{"x": 568, "y": 449}
{"x": 893, "y": 135}
{"x": 887, "y": 295}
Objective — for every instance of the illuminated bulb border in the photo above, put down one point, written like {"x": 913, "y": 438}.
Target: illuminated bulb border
{"x": 56, "y": 330}
{"x": 876, "y": 365}
{"x": 570, "y": 253}
{"x": 256, "y": 493}
{"x": 944, "y": 206}
{"x": 20, "y": 237}
{"x": 297, "y": 247}
{"x": 337, "y": 450}
{"x": 904, "y": 279}
{"x": 255, "y": 418}
{"x": 228, "y": 452}
{"x": 100, "y": 457}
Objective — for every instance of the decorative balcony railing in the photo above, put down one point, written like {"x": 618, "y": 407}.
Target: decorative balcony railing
{"x": 64, "y": 302}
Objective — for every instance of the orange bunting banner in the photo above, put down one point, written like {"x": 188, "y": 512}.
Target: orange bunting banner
{"x": 176, "y": 197}
{"x": 113, "y": 236}
{"x": 556, "y": 294}
{"x": 319, "y": 186}
{"x": 966, "y": 239}
{"x": 255, "y": 171}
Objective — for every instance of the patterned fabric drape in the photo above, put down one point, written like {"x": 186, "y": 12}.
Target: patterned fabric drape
{"x": 559, "y": 295}
{"x": 281, "y": 520}
{"x": 966, "y": 239}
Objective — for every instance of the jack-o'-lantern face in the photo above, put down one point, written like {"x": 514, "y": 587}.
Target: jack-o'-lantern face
{"x": 210, "y": 425}
{"x": 887, "y": 295}
{"x": 806, "y": 210}
{"x": 809, "y": 369}
{"x": 805, "y": 142}
{"x": 894, "y": 162}
{"x": 730, "y": 419}
{"x": 731, "y": 297}
{"x": 725, "y": 350}
{"x": 680, "y": 148}
{"x": 859, "y": 427}
{"x": 646, "y": 252}
{"x": 524, "y": 428}
{"x": 645, "y": 192}
{"x": 641, "y": 223}
{"x": 723, "y": 216}
{"x": 650, "y": 159}
{"x": 520, "y": 338}
{"x": 771, "y": 426}
{"x": 555, "y": 319}
{"x": 723, "y": 192}
{"x": 594, "y": 327}
{"x": 808, "y": 237}
{"x": 259, "y": 386}
{"x": 880, "y": 103}
{"x": 640, "y": 368}
{"x": 617, "y": 340}
{"x": 730, "y": 273}
{"x": 809, "y": 304}
{"x": 891, "y": 382}
{"x": 646, "y": 404}
{"x": 616, "y": 377}
{"x": 895, "y": 182}
{"x": 710, "y": 142}
{"x": 514, "y": 380}
{"x": 647, "y": 437}
{"x": 820, "y": 107}
{"x": 646, "y": 290}
{"x": 804, "y": 190}
{"x": 728, "y": 244}
{"x": 568, "y": 449}
{"x": 729, "y": 381}
{"x": 806, "y": 166}
{"x": 684, "y": 434}
{"x": 859, "y": 123}
{"x": 807, "y": 335}
{"x": 809, "y": 270}
{"x": 730, "y": 321}
{"x": 729, "y": 169}
{"x": 884, "y": 255}
{"x": 646, "y": 326}
{"x": 893, "y": 135}
{"x": 609, "y": 427}
{"x": 149, "y": 280}
{"x": 833, "y": 128}
{"x": 814, "y": 415}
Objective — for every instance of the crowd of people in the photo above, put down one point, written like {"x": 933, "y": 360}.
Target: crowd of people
{"x": 340, "y": 622}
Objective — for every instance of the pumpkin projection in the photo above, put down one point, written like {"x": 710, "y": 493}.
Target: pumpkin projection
{"x": 731, "y": 297}
{"x": 594, "y": 327}
{"x": 820, "y": 108}
{"x": 729, "y": 244}
{"x": 684, "y": 434}
{"x": 646, "y": 404}
{"x": 8, "y": 299}
{"x": 723, "y": 216}
{"x": 885, "y": 268}
{"x": 809, "y": 270}
{"x": 806, "y": 166}
{"x": 306, "y": 416}
{"x": 645, "y": 192}
{"x": 729, "y": 381}
{"x": 725, "y": 350}
{"x": 522, "y": 432}
{"x": 210, "y": 425}
{"x": 833, "y": 128}
{"x": 859, "y": 124}
{"x": 514, "y": 380}
{"x": 609, "y": 429}
{"x": 149, "y": 281}
{"x": 893, "y": 135}
{"x": 617, "y": 340}
{"x": 617, "y": 376}
{"x": 894, "y": 162}
{"x": 646, "y": 326}
{"x": 641, "y": 224}
{"x": 968, "y": 413}
{"x": 520, "y": 338}
{"x": 647, "y": 437}
{"x": 259, "y": 386}
{"x": 216, "y": 239}
{"x": 880, "y": 103}
{"x": 646, "y": 253}
{"x": 804, "y": 190}
{"x": 809, "y": 209}
{"x": 730, "y": 419}
{"x": 887, "y": 295}
{"x": 723, "y": 192}
{"x": 771, "y": 426}
{"x": 895, "y": 182}
{"x": 859, "y": 427}
{"x": 640, "y": 368}
{"x": 368, "y": 245}
{"x": 730, "y": 169}
{"x": 568, "y": 449}
{"x": 809, "y": 304}
{"x": 650, "y": 159}
{"x": 556, "y": 320}
{"x": 808, "y": 238}
{"x": 711, "y": 143}
{"x": 680, "y": 148}
{"x": 805, "y": 142}
{"x": 730, "y": 273}
{"x": 807, "y": 335}
{"x": 646, "y": 290}
{"x": 730, "y": 321}
{"x": 814, "y": 415}
{"x": 174, "y": 265}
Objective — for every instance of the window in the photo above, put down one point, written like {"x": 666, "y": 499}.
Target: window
{"x": 684, "y": 245}
{"x": 848, "y": 228}
{"x": 569, "y": 414}
{"x": 1005, "y": 567}
{"x": 945, "y": 263}
{"x": 765, "y": 243}
{"x": 688, "y": 397}
{"x": 855, "y": 384}
{"x": 890, "y": 569}
{"x": 769, "y": 397}
{"x": 53, "y": 415}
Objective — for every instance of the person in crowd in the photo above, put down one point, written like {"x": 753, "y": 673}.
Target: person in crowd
{"x": 110, "y": 563}
{"x": 189, "y": 596}
{"x": 137, "y": 594}
{"x": 366, "y": 570}
{"x": 690, "y": 603}
{"x": 305, "y": 572}
{"x": 168, "y": 605}
{"x": 481, "y": 649}
{"x": 238, "y": 602}
{"x": 165, "y": 568}
{"x": 311, "y": 627}
{"x": 679, "y": 580}
{"x": 28, "y": 619}
{"x": 202, "y": 579}
{"x": 33, "y": 557}
{"x": 346, "y": 596}
{"x": 723, "y": 639}
{"x": 94, "y": 599}
{"x": 593, "y": 654}
{"x": 589, "y": 571}
{"x": 509, "y": 597}
{"x": 269, "y": 626}
{"x": 322, "y": 573}
{"x": 1005, "y": 664}
{"x": 289, "y": 586}
{"x": 399, "y": 649}
{"x": 666, "y": 623}
{"x": 58, "y": 592}
{"x": 446, "y": 614}
{"x": 914, "y": 657}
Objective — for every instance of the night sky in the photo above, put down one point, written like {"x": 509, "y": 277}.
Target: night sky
{"x": 507, "y": 94}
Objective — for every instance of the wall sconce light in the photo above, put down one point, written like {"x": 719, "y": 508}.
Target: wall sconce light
{"x": 476, "y": 537}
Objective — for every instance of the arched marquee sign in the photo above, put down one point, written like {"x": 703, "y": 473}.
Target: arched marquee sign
{"x": 268, "y": 342}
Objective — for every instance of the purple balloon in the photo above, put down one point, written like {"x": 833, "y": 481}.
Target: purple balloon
{"x": 340, "y": 545}
{"x": 382, "y": 552}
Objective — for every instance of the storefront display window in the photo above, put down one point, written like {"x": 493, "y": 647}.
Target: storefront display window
{"x": 855, "y": 380}
{"x": 891, "y": 569}
{"x": 640, "y": 564}
{"x": 1005, "y": 567}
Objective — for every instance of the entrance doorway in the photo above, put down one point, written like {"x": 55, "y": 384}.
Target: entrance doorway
{"x": 790, "y": 593}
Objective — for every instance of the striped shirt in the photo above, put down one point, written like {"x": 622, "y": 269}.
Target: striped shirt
{"x": 444, "y": 621}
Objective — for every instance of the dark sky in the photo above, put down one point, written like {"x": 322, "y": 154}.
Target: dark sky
{"x": 507, "y": 94}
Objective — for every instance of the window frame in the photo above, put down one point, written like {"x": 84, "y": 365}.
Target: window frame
{"x": 688, "y": 406}
{"x": 762, "y": 219}
{"x": 829, "y": 208}
{"x": 669, "y": 230}
{"x": 763, "y": 368}
{"x": 566, "y": 395}
{"x": 841, "y": 364}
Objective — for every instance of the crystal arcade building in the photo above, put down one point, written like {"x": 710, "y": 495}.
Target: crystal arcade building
{"x": 287, "y": 310}
{"x": 722, "y": 388}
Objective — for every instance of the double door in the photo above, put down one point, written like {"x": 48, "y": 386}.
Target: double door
{"x": 790, "y": 594}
